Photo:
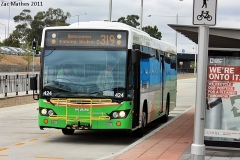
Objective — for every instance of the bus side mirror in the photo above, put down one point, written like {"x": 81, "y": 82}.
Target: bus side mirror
{"x": 135, "y": 56}
{"x": 33, "y": 86}
{"x": 33, "y": 83}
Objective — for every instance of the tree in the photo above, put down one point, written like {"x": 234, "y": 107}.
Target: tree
{"x": 37, "y": 26}
{"x": 12, "y": 40}
{"x": 23, "y": 28}
{"x": 131, "y": 20}
{"x": 153, "y": 31}
{"x": 56, "y": 17}
{"x": 29, "y": 29}
{"x": 28, "y": 56}
{"x": 52, "y": 17}
{"x": 23, "y": 17}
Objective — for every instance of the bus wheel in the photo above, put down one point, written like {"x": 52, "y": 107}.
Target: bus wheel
{"x": 165, "y": 117}
{"x": 68, "y": 131}
{"x": 144, "y": 120}
{"x": 140, "y": 131}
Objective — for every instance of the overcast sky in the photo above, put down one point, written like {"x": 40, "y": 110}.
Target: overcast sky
{"x": 162, "y": 12}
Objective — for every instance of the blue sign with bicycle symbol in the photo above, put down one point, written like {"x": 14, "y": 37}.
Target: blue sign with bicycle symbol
{"x": 204, "y": 12}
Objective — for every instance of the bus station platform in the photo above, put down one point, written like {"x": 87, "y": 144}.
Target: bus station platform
{"x": 172, "y": 141}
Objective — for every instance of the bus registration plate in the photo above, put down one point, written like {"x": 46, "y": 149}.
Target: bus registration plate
{"x": 54, "y": 122}
{"x": 109, "y": 123}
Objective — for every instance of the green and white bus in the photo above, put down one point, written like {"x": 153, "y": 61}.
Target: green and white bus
{"x": 122, "y": 79}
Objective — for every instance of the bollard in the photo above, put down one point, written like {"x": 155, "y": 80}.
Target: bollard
{"x": 27, "y": 84}
{"x": 5, "y": 94}
{"x": 16, "y": 85}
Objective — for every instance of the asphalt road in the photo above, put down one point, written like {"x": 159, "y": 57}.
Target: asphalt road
{"x": 20, "y": 137}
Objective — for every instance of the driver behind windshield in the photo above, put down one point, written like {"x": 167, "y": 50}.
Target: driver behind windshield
{"x": 67, "y": 74}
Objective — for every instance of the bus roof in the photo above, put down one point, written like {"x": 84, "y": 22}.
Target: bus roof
{"x": 136, "y": 36}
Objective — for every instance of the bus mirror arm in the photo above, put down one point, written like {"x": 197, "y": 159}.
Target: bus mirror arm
{"x": 33, "y": 86}
{"x": 35, "y": 96}
{"x": 135, "y": 56}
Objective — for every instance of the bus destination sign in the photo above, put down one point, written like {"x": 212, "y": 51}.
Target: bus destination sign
{"x": 99, "y": 38}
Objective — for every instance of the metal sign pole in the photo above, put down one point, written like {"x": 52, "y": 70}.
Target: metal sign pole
{"x": 204, "y": 14}
{"x": 198, "y": 147}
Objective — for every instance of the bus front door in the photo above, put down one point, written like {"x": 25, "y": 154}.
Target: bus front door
{"x": 135, "y": 71}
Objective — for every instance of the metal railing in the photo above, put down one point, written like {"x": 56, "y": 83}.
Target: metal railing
{"x": 15, "y": 83}
{"x": 21, "y": 82}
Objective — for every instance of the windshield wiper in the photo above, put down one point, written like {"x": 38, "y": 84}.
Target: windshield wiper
{"x": 54, "y": 96}
{"x": 58, "y": 87}
{"x": 58, "y": 94}
{"x": 45, "y": 55}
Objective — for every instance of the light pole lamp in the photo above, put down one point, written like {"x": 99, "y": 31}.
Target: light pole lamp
{"x": 5, "y": 29}
{"x": 176, "y": 23}
{"x": 78, "y": 16}
{"x": 177, "y": 17}
{"x": 110, "y": 13}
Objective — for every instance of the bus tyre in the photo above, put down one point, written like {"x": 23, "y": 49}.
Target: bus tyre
{"x": 165, "y": 117}
{"x": 68, "y": 131}
{"x": 140, "y": 131}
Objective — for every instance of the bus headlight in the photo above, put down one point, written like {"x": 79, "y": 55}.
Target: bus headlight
{"x": 119, "y": 114}
{"x": 50, "y": 112}
{"x": 122, "y": 114}
{"x": 115, "y": 114}
{"x": 44, "y": 111}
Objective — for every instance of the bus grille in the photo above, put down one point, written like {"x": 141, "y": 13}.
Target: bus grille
{"x": 83, "y": 121}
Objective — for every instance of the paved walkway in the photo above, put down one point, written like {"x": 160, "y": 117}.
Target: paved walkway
{"x": 169, "y": 143}
{"x": 172, "y": 142}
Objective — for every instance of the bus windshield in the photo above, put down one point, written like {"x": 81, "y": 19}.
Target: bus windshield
{"x": 84, "y": 73}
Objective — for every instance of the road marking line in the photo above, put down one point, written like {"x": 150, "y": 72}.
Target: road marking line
{"x": 48, "y": 157}
{"x": 45, "y": 135}
{"x": 19, "y": 144}
{"x": 33, "y": 139}
{"x": 3, "y": 149}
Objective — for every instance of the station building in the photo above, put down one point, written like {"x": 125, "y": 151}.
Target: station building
{"x": 222, "y": 121}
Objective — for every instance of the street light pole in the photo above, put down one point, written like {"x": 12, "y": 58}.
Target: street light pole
{"x": 110, "y": 11}
{"x": 9, "y": 12}
{"x": 176, "y": 33}
{"x": 8, "y": 18}
{"x": 5, "y": 29}
{"x": 141, "y": 18}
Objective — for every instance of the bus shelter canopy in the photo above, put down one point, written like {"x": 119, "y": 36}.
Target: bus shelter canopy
{"x": 218, "y": 37}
